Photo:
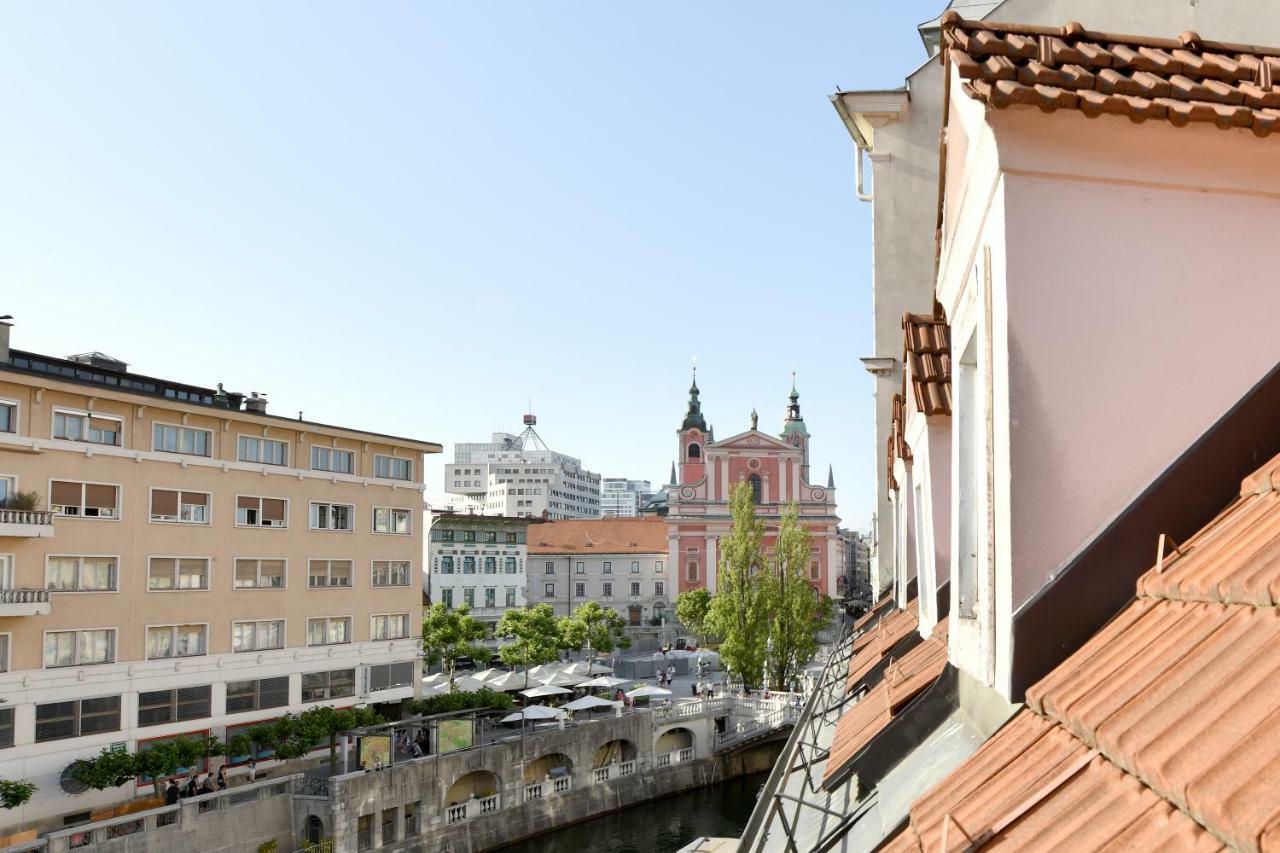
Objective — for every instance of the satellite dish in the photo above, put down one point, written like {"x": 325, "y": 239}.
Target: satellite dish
{"x": 69, "y": 783}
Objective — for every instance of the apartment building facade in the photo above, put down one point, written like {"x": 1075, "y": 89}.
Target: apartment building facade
{"x": 620, "y": 562}
{"x": 192, "y": 567}
{"x": 479, "y": 561}
{"x": 623, "y": 498}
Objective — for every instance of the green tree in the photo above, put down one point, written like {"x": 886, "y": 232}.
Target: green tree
{"x": 533, "y": 637}
{"x": 599, "y": 628}
{"x": 463, "y": 700}
{"x": 691, "y": 609}
{"x": 114, "y": 767}
{"x": 795, "y": 606}
{"x": 739, "y": 611}
{"x": 451, "y": 634}
{"x": 296, "y": 735}
{"x": 14, "y": 793}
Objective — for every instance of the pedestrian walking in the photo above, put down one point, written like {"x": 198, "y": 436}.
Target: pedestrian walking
{"x": 171, "y": 793}
{"x": 192, "y": 787}
{"x": 222, "y": 777}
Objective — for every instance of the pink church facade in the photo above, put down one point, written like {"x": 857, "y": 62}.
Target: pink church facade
{"x": 777, "y": 469}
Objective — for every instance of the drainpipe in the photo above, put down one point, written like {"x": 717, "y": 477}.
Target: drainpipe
{"x": 858, "y": 175}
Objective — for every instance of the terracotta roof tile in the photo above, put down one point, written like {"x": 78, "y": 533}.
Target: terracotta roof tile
{"x": 599, "y": 536}
{"x": 1175, "y": 704}
{"x": 1180, "y": 80}
{"x": 926, "y": 353}
{"x": 871, "y": 648}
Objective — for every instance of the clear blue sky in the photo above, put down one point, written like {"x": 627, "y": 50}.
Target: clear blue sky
{"x": 412, "y": 217}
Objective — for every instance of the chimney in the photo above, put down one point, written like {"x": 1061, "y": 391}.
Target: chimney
{"x": 5, "y": 326}
{"x": 257, "y": 403}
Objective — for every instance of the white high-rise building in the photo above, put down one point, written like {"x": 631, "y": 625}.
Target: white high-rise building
{"x": 519, "y": 476}
{"x": 622, "y": 498}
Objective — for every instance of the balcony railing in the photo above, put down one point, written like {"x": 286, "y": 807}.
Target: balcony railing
{"x": 473, "y": 809}
{"x": 26, "y": 523}
{"x": 25, "y": 602}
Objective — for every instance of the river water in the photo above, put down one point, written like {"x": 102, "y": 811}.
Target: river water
{"x": 660, "y": 826}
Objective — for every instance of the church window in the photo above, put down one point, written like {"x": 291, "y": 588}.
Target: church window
{"x": 756, "y": 491}
{"x": 695, "y": 452}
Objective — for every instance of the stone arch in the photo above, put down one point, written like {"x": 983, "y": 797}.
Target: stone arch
{"x": 313, "y": 830}
{"x": 673, "y": 739}
{"x": 552, "y": 764}
{"x": 613, "y": 752}
{"x": 482, "y": 783}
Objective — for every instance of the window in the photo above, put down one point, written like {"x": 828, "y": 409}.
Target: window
{"x": 580, "y": 590}
{"x": 657, "y": 566}
{"x": 491, "y": 537}
{"x": 446, "y": 535}
{"x": 87, "y": 426}
{"x": 635, "y": 567}
{"x": 391, "y": 573}
{"x": 490, "y": 565}
{"x": 511, "y": 538}
{"x": 510, "y": 596}
{"x": 813, "y": 570}
{"x": 157, "y": 707}
{"x": 257, "y": 695}
{"x": 469, "y": 596}
{"x": 252, "y": 511}
{"x": 177, "y": 573}
{"x": 6, "y": 727}
{"x": 84, "y": 500}
{"x": 411, "y": 812}
{"x": 254, "y": 573}
{"x": 79, "y": 648}
{"x": 80, "y": 574}
{"x": 635, "y": 589}
{"x": 179, "y": 439}
{"x": 446, "y": 598}
{"x": 468, "y": 536}
{"x": 171, "y": 505}
{"x": 392, "y": 468}
{"x": 389, "y": 822}
{"x": 333, "y": 460}
{"x": 490, "y": 596}
{"x": 385, "y": 676}
{"x": 264, "y": 450}
{"x": 8, "y": 419}
{"x": 390, "y": 627}
{"x": 608, "y": 589}
{"x": 257, "y": 636}
{"x": 8, "y": 485}
{"x": 657, "y": 588}
{"x": 549, "y": 590}
{"x": 607, "y": 568}
{"x": 446, "y": 565}
{"x": 510, "y": 565}
{"x": 329, "y": 573}
{"x": 330, "y": 631}
{"x": 335, "y": 684}
{"x": 60, "y": 720}
{"x": 331, "y": 517}
{"x": 390, "y": 520}
{"x": 580, "y": 568}
{"x": 468, "y": 565}
{"x": 756, "y": 492}
{"x": 691, "y": 570}
{"x": 695, "y": 452}
{"x": 4, "y": 652}
{"x": 176, "y": 641}
{"x": 551, "y": 567}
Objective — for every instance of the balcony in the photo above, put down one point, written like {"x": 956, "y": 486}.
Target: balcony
{"x": 25, "y": 602}
{"x": 26, "y": 524}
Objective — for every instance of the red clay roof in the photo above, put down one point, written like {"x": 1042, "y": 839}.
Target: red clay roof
{"x": 646, "y": 535}
{"x": 1182, "y": 80}
{"x": 926, "y": 353}
{"x": 870, "y": 648}
{"x": 1168, "y": 714}
{"x": 897, "y": 445}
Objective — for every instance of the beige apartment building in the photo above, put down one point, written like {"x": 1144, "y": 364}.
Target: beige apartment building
{"x": 193, "y": 566}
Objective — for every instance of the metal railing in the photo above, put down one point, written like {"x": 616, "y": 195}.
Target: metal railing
{"x": 24, "y": 596}
{"x": 26, "y": 516}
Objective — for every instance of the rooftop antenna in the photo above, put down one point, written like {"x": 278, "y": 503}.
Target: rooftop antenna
{"x": 529, "y": 439}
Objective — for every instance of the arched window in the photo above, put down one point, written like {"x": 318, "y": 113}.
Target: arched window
{"x": 313, "y": 830}
{"x": 756, "y": 492}
{"x": 695, "y": 452}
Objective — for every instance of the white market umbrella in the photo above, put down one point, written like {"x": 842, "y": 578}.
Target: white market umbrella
{"x": 469, "y": 683}
{"x": 509, "y": 681}
{"x": 435, "y": 678}
{"x": 648, "y": 691}
{"x": 437, "y": 689}
{"x": 545, "y": 690}
{"x": 563, "y": 679}
{"x": 543, "y": 671}
{"x": 533, "y": 712}
{"x": 489, "y": 675}
{"x": 583, "y": 668}
{"x": 586, "y": 703}
{"x": 608, "y": 681}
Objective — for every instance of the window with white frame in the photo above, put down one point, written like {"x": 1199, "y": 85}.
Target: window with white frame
{"x": 579, "y": 568}
{"x": 469, "y": 596}
{"x": 92, "y": 427}
{"x": 446, "y": 598}
{"x": 77, "y": 717}
{"x": 335, "y": 684}
{"x": 80, "y": 574}
{"x": 635, "y": 589}
{"x": 329, "y": 573}
{"x": 329, "y": 631}
{"x": 84, "y": 500}
{"x": 333, "y": 460}
{"x": 657, "y": 566}
{"x": 608, "y": 589}
{"x": 8, "y": 486}
{"x": 176, "y": 507}
{"x": 657, "y": 588}
{"x": 254, "y": 511}
{"x": 177, "y": 573}
{"x": 391, "y": 572}
{"x": 4, "y": 652}
{"x": 446, "y": 565}
{"x": 491, "y": 596}
{"x": 391, "y": 626}
{"x": 551, "y": 567}
{"x": 392, "y": 468}
{"x": 8, "y": 416}
{"x": 325, "y": 516}
{"x": 79, "y": 648}
{"x": 266, "y": 451}
{"x": 257, "y": 636}
{"x": 176, "y": 641}
{"x": 390, "y": 520}
{"x": 260, "y": 573}
{"x": 607, "y": 567}
{"x": 510, "y": 565}
{"x": 168, "y": 438}
{"x": 635, "y": 567}
{"x": 510, "y": 596}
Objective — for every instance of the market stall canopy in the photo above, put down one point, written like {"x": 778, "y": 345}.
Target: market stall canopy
{"x": 586, "y": 703}
{"x": 533, "y": 712}
{"x": 545, "y": 690}
{"x": 648, "y": 690}
{"x": 605, "y": 681}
